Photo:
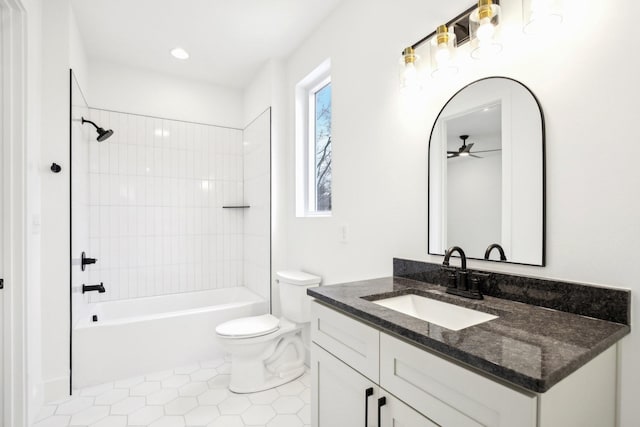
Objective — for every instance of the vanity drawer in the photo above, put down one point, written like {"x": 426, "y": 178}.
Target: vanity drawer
{"x": 351, "y": 341}
{"x": 449, "y": 394}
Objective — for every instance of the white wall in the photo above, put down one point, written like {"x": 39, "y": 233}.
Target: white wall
{"x": 77, "y": 54}
{"x": 35, "y": 394}
{"x": 55, "y": 199}
{"x": 585, "y": 77}
{"x": 130, "y": 90}
{"x": 62, "y": 49}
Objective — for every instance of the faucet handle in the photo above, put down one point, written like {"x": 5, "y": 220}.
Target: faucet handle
{"x": 450, "y": 276}
{"x": 477, "y": 281}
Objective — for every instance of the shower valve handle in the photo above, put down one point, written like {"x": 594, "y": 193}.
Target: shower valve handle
{"x": 86, "y": 261}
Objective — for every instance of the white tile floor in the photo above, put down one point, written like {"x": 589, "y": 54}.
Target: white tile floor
{"x": 194, "y": 395}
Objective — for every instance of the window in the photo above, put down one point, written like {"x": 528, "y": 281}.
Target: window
{"x": 313, "y": 143}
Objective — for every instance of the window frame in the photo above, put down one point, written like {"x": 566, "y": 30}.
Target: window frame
{"x": 305, "y": 121}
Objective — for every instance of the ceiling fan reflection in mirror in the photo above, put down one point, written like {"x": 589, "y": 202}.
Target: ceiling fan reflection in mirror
{"x": 465, "y": 150}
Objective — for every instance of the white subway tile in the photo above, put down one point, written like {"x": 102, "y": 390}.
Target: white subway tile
{"x": 156, "y": 198}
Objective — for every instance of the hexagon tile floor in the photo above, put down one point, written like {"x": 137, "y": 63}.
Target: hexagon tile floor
{"x": 190, "y": 396}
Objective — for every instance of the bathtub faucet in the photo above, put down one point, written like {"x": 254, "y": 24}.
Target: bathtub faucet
{"x": 88, "y": 288}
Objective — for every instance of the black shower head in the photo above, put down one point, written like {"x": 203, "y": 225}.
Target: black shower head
{"x": 102, "y": 134}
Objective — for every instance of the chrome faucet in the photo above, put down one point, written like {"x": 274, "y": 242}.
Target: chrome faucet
{"x": 458, "y": 278}
{"x": 493, "y": 246}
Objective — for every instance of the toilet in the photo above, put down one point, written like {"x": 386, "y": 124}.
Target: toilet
{"x": 266, "y": 351}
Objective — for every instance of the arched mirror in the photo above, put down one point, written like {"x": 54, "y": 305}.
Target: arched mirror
{"x": 487, "y": 173}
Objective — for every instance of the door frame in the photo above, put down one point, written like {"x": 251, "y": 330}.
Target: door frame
{"x": 14, "y": 169}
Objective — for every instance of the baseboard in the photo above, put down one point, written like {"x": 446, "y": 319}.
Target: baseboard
{"x": 56, "y": 389}
{"x": 35, "y": 404}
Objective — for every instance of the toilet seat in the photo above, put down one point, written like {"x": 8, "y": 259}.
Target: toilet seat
{"x": 249, "y": 327}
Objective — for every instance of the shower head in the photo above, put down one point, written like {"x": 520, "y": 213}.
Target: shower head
{"x": 102, "y": 134}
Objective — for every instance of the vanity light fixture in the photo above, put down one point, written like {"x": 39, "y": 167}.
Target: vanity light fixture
{"x": 409, "y": 76}
{"x": 443, "y": 44}
{"x": 443, "y": 47}
{"x": 480, "y": 25}
{"x": 539, "y": 16}
{"x": 484, "y": 24}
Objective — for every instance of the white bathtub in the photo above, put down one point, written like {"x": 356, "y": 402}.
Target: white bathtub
{"x": 143, "y": 335}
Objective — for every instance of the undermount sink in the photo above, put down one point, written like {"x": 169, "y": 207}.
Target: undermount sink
{"x": 447, "y": 315}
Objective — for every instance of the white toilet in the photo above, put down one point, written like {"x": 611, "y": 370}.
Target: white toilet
{"x": 266, "y": 351}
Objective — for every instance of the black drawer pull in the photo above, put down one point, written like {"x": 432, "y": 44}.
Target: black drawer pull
{"x": 367, "y": 393}
{"x": 381, "y": 402}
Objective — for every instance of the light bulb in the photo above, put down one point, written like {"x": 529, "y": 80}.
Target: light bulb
{"x": 486, "y": 30}
{"x": 442, "y": 48}
{"x": 443, "y": 56}
{"x": 410, "y": 76}
{"x": 484, "y": 24}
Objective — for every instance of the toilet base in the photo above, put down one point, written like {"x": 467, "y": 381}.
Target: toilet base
{"x": 280, "y": 363}
{"x": 271, "y": 382}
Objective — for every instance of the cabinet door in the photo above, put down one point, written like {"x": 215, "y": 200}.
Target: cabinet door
{"x": 397, "y": 414}
{"x": 339, "y": 393}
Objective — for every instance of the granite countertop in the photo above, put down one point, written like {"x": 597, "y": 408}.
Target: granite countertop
{"x": 527, "y": 345}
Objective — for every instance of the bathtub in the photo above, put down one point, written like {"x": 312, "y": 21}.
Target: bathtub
{"x": 139, "y": 336}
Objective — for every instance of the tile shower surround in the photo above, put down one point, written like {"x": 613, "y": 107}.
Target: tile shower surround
{"x": 156, "y": 191}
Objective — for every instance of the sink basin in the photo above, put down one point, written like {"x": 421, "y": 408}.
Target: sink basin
{"x": 447, "y": 315}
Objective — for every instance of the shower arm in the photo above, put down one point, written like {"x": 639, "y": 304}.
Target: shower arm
{"x": 83, "y": 121}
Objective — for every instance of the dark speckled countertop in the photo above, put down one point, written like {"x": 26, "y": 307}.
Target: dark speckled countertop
{"x": 527, "y": 345}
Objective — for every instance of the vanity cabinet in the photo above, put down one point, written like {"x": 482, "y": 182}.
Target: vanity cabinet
{"x": 422, "y": 388}
{"x": 343, "y": 397}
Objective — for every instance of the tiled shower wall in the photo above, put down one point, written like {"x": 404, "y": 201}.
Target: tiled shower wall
{"x": 156, "y": 192}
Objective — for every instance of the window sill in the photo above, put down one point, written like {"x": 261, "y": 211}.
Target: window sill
{"x": 315, "y": 215}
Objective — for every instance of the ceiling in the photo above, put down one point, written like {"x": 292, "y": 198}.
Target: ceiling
{"x": 483, "y": 127}
{"x": 228, "y": 40}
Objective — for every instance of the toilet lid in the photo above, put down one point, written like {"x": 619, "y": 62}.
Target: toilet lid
{"x": 247, "y": 327}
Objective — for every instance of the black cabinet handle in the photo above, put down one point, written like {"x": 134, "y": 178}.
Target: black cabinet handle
{"x": 381, "y": 402}
{"x": 367, "y": 393}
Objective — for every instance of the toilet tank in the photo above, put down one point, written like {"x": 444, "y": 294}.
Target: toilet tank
{"x": 294, "y": 301}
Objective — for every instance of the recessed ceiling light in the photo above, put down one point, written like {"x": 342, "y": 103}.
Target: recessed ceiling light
{"x": 179, "y": 53}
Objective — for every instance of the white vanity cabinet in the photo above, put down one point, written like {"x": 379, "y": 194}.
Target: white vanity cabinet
{"x": 343, "y": 397}
{"x": 420, "y": 388}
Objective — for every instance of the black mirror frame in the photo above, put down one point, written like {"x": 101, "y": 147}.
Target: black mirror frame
{"x": 544, "y": 175}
